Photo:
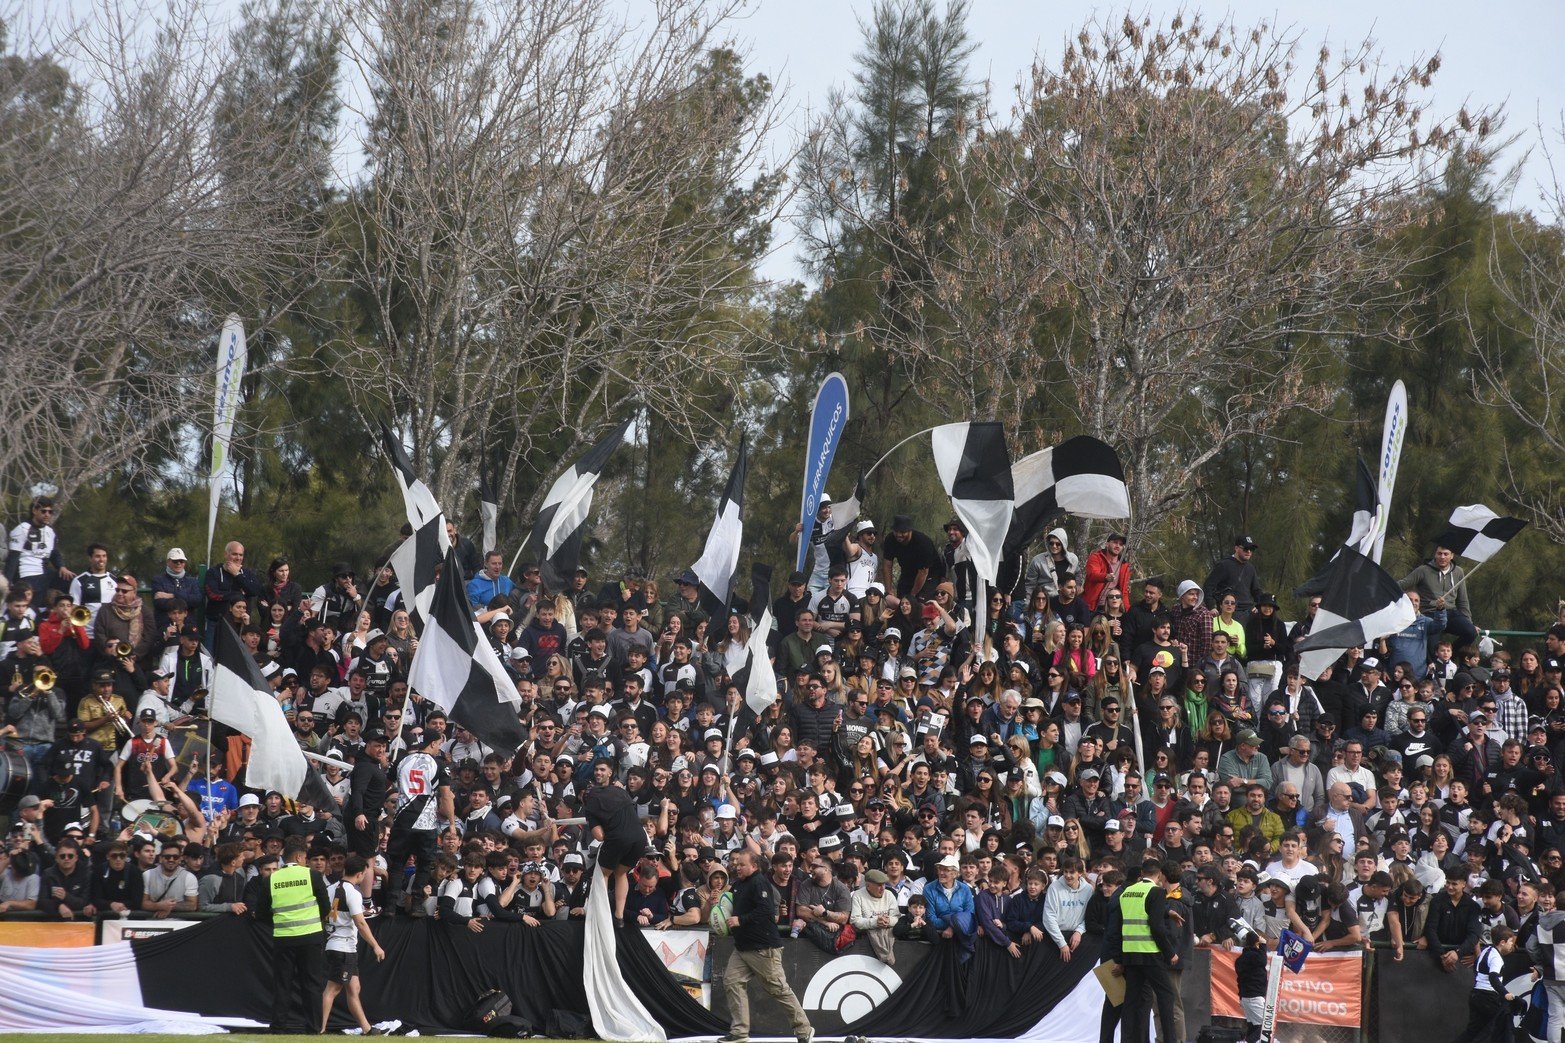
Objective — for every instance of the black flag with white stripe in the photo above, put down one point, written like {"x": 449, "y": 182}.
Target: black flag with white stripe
{"x": 457, "y": 669}
{"x": 420, "y": 502}
{"x": 1477, "y": 533}
{"x": 417, "y": 558}
{"x": 557, "y": 534}
{"x": 1361, "y": 533}
{"x": 1362, "y": 602}
{"x": 715, "y": 571}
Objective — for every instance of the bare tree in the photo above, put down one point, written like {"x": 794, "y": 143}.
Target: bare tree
{"x": 1165, "y": 239}
{"x": 1527, "y": 265}
{"x": 124, "y": 222}
{"x": 557, "y": 226}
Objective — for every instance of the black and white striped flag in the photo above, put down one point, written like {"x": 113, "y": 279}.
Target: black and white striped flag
{"x": 757, "y": 679}
{"x": 715, "y": 571}
{"x": 417, "y": 558}
{"x": 1361, "y": 603}
{"x": 242, "y": 700}
{"x": 1081, "y": 476}
{"x": 488, "y": 510}
{"x": 1477, "y": 533}
{"x": 458, "y": 670}
{"x": 975, "y": 470}
{"x": 1361, "y": 533}
{"x": 557, "y": 534}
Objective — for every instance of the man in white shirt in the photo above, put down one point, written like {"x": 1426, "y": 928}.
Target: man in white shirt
{"x": 94, "y": 588}
{"x": 1289, "y": 864}
{"x": 343, "y": 928}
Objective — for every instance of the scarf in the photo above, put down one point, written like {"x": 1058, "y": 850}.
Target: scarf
{"x": 131, "y": 614}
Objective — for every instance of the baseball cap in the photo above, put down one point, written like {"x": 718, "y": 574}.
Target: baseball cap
{"x": 175, "y": 554}
{"x": 830, "y": 842}
{"x": 797, "y": 578}
{"x": 864, "y": 526}
{"x": 573, "y": 859}
{"x": 1247, "y": 542}
{"x": 950, "y": 862}
{"x": 907, "y": 671}
{"x": 1056, "y": 822}
{"x": 149, "y": 714}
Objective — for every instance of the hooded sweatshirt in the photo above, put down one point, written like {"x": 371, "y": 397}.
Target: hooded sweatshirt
{"x": 1043, "y": 572}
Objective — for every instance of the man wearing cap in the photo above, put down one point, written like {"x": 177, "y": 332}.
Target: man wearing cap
{"x": 817, "y": 559}
{"x": 147, "y": 749}
{"x": 912, "y": 556}
{"x": 951, "y": 906}
{"x": 338, "y": 603}
{"x": 188, "y": 666}
{"x": 861, "y": 560}
{"x": 1235, "y": 574}
{"x": 875, "y": 913}
{"x": 794, "y": 599}
{"x": 1107, "y": 569}
{"x": 1245, "y": 764}
{"x": 822, "y": 903}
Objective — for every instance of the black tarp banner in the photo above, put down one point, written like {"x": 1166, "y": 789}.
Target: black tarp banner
{"x": 431, "y": 975}
{"x": 993, "y": 996}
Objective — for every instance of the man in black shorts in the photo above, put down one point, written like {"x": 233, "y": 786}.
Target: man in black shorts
{"x": 611, "y": 815}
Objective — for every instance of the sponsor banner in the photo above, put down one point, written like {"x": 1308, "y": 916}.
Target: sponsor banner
{"x": 1328, "y": 991}
{"x": 28, "y": 934}
{"x": 137, "y": 930}
{"x": 828, "y": 419}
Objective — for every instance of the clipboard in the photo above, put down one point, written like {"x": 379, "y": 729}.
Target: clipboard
{"x": 1113, "y": 986}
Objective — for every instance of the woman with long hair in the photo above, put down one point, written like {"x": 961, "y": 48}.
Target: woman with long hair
{"x": 1032, "y": 616}
{"x": 836, "y": 690}
{"x": 1441, "y": 774}
{"x": 1053, "y": 640}
{"x": 990, "y": 798}
{"x": 672, "y": 631}
{"x": 1076, "y": 842}
{"x": 1047, "y": 753}
{"x": 986, "y": 682}
{"x": 1527, "y": 676}
{"x": 1196, "y": 704}
{"x": 1122, "y": 765}
{"x": 1109, "y": 681}
{"x": 1100, "y": 640}
{"x": 1332, "y": 857}
{"x": 782, "y": 744}
{"x": 279, "y": 589}
{"x": 865, "y": 760}
{"x": 1018, "y": 757}
{"x": 733, "y": 648}
{"x": 1074, "y": 657}
{"x": 355, "y": 641}
{"x": 1227, "y": 605}
{"x": 1233, "y": 698}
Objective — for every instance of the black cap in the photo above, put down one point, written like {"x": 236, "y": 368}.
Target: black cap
{"x": 902, "y": 523}
{"x": 797, "y": 578}
{"x": 190, "y": 630}
{"x": 375, "y": 735}
{"x": 148, "y": 714}
{"x": 102, "y": 675}
{"x": 342, "y": 568}
{"x": 1247, "y": 542}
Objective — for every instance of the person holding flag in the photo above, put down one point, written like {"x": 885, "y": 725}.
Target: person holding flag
{"x": 611, "y": 818}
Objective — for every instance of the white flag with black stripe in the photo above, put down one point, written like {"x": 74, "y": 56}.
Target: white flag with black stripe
{"x": 1477, "y": 533}
{"x": 416, "y": 563}
{"x": 757, "y": 679}
{"x": 1362, "y": 602}
{"x": 488, "y": 510}
{"x": 975, "y": 470}
{"x": 242, "y": 700}
{"x": 715, "y": 571}
{"x": 456, "y": 668}
{"x": 1081, "y": 476}
{"x": 557, "y": 534}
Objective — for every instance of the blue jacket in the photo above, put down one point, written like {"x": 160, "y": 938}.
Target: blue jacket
{"x": 480, "y": 589}
{"x": 186, "y": 587}
{"x": 942, "y": 910}
{"x": 1022, "y": 913}
{"x": 989, "y": 908}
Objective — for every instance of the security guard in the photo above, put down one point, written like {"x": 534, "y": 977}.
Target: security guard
{"x": 1137, "y": 938}
{"x": 296, "y": 903}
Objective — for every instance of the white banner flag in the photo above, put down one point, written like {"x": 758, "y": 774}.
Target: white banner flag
{"x": 231, "y": 358}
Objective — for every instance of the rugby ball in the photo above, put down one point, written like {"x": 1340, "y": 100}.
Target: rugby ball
{"x": 722, "y": 909}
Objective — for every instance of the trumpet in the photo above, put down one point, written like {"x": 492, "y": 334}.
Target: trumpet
{"x": 81, "y": 615}
{"x": 122, "y": 727}
{"x": 43, "y": 681}
{"x": 123, "y": 650}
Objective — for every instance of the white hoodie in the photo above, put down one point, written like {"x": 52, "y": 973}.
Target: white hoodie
{"x": 1040, "y": 570}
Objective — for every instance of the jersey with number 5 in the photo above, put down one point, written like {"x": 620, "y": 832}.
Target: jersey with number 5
{"x": 419, "y": 777}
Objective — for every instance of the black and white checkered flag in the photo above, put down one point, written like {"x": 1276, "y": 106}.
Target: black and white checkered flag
{"x": 1477, "y": 533}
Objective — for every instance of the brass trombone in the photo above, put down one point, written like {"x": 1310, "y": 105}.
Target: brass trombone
{"x": 43, "y": 681}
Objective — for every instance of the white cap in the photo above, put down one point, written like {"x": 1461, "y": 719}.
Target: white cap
{"x": 1056, "y": 822}
{"x": 175, "y": 554}
{"x": 950, "y": 862}
{"x": 270, "y": 669}
{"x": 249, "y": 800}
{"x": 825, "y": 500}
{"x": 726, "y": 811}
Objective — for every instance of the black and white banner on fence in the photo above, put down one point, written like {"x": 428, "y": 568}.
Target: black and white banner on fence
{"x": 458, "y": 670}
{"x": 1361, "y": 603}
{"x": 1477, "y": 533}
{"x": 562, "y": 518}
{"x": 715, "y": 571}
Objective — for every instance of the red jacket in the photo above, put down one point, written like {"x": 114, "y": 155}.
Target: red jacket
{"x": 1100, "y": 576}
{"x": 49, "y": 635}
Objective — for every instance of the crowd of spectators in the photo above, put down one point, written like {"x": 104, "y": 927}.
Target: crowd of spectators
{"x": 913, "y": 780}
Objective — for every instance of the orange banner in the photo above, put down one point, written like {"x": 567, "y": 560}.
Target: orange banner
{"x": 43, "y": 935}
{"x": 1329, "y": 991}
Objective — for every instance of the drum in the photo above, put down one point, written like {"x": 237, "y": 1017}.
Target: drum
{"x": 16, "y": 775}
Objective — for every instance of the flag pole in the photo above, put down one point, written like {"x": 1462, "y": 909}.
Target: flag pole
{"x": 894, "y": 448}
{"x": 518, "y": 556}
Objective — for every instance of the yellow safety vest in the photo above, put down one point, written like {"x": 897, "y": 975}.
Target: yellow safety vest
{"x": 1136, "y": 930}
{"x": 295, "y": 912}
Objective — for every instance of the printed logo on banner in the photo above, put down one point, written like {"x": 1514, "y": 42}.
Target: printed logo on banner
{"x": 1328, "y": 991}
{"x": 852, "y": 986}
